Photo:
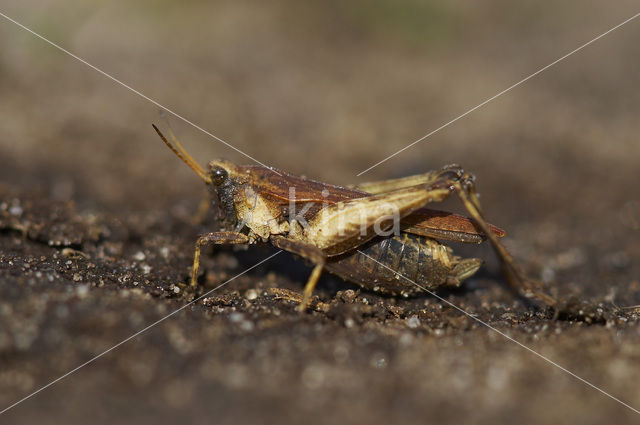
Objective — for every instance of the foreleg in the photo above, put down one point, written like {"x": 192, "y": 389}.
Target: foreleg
{"x": 215, "y": 238}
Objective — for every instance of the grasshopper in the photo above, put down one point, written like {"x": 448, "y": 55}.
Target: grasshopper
{"x": 369, "y": 234}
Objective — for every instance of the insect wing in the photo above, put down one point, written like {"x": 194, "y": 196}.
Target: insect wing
{"x": 287, "y": 190}
{"x": 446, "y": 226}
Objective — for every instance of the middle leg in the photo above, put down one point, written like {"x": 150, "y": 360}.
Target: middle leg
{"x": 308, "y": 252}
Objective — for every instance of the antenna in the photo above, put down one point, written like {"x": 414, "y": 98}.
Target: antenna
{"x": 181, "y": 153}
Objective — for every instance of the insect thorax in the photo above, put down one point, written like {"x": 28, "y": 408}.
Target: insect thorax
{"x": 260, "y": 216}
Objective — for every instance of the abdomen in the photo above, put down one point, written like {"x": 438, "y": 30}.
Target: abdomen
{"x": 422, "y": 260}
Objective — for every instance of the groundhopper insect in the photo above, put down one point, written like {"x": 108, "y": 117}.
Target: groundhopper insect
{"x": 369, "y": 234}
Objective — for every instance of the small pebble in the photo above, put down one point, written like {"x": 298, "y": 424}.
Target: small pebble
{"x": 251, "y": 294}
{"x": 82, "y": 291}
{"x": 246, "y": 326}
{"x": 378, "y": 361}
{"x": 15, "y": 210}
{"x": 413, "y": 322}
{"x": 236, "y": 317}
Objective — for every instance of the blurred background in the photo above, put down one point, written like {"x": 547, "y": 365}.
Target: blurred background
{"x": 327, "y": 89}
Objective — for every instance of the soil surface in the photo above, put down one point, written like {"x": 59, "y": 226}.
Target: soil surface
{"x": 97, "y": 229}
{"x": 76, "y": 283}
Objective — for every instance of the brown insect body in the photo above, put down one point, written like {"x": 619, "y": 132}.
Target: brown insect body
{"x": 344, "y": 229}
{"x": 377, "y": 265}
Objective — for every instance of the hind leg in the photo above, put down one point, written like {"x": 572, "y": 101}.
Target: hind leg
{"x": 515, "y": 276}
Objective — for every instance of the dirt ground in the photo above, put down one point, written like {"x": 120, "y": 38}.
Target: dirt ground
{"x": 96, "y": 225}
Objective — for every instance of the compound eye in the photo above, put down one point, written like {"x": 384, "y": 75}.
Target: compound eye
{"x": 451, "y": 172}
{"x": 219, "y": 175}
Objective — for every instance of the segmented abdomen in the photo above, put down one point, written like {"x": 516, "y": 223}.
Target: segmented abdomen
{"x": 422, "y": 260}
